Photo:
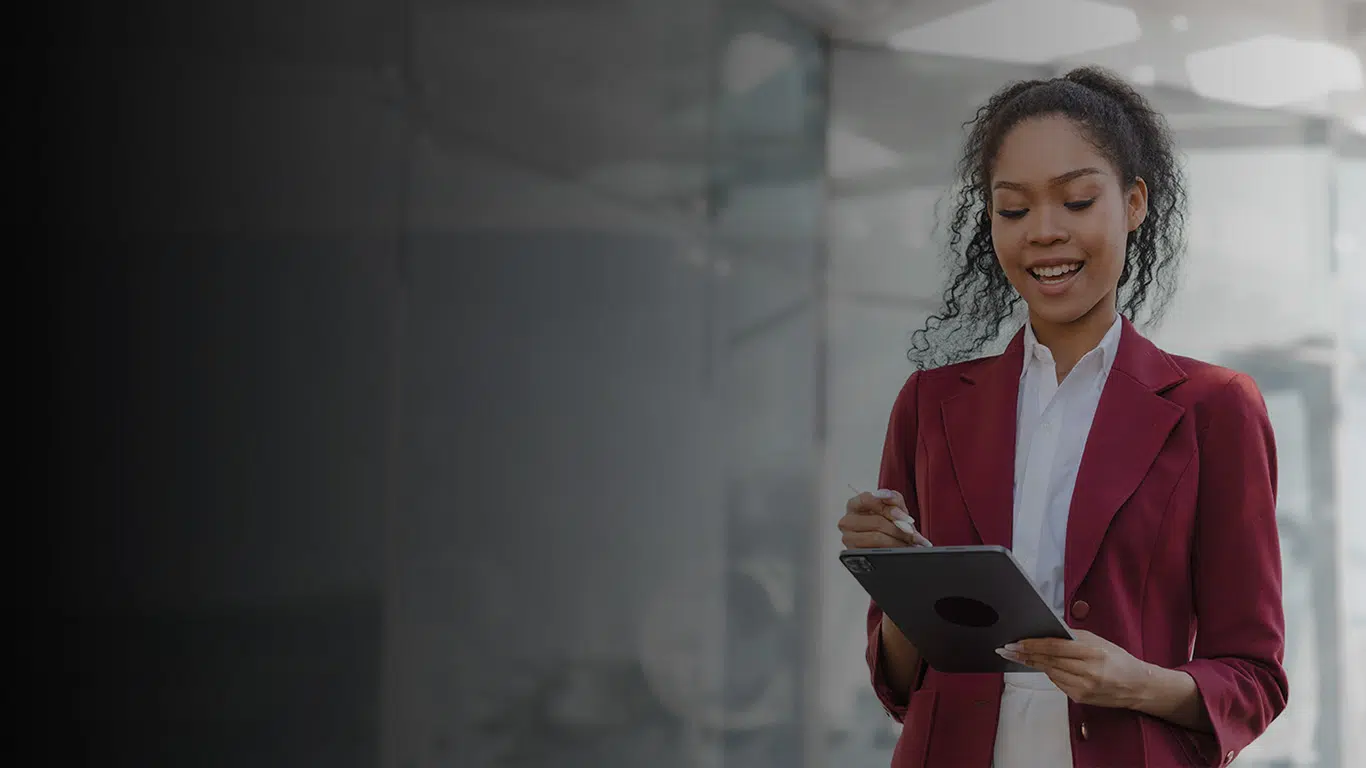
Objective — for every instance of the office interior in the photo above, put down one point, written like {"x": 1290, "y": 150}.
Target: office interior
{"x": 503, "y": 367}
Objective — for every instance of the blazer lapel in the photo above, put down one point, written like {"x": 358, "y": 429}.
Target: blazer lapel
{"x": 1132, "y": 423}
{"x": 980, "y": 428}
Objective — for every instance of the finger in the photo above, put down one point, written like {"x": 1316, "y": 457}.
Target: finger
{"x": 908, "y": 527}
{"x": 1055, "y": 647}
{"x": 905, "y": 526}
{"x": 892, "y": 505}
{"x": 889, "y": 497}
{"x": 857, "y": 503}
{"x": 870, "y": 540}
{"x": 864, "y": 503}
{"x": 893, "y": 512}
{"x": 874, "y": 502}
{"x": 916, "y": 538}
{"x": 1049, "y": 664}
{"x": 875, "y": 524}
{"x": 903, "y": 530}
{"x": 1074, "y": 667}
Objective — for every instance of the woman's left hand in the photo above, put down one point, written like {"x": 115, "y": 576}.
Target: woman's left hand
{"x": 1090, "y": 670}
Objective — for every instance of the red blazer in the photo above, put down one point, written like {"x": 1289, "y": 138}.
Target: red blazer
{"x": 1172, "y": 550}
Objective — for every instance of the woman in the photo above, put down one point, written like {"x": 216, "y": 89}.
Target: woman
{"x": 1135, "y": 487}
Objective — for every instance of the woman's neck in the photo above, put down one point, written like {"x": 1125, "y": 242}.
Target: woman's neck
{"x": 1069, "y": 342}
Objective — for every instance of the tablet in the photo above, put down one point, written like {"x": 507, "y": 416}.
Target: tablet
{"x": 957, "y": 605}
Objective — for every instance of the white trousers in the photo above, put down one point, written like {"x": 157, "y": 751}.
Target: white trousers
{"x": 1033, "y": 730}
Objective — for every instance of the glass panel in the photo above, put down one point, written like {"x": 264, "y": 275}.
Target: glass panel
{"x": 1257, "y": 272}
{"x": 1350, "y": 248}
{"x": 610, "y": 388}
{"x": 867, "y": 368}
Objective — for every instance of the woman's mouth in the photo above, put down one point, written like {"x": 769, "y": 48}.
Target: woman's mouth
{"x": 1056, "y": 274}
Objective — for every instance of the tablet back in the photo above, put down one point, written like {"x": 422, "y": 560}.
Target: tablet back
{"x": 957, "y": 605}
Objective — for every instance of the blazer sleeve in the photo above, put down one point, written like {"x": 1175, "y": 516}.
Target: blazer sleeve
{"x": 1240, "y": 623}
{"x": 897, "y": 474}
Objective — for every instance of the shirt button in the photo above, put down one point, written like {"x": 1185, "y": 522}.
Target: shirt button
{"x": 1080, "y": 610}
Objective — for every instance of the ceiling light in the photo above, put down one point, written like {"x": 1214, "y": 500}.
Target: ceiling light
{"x": 1144, "y": 74}
{"x": 1181, "y": 23}
{"x": 1023, "y": 31}
{"x": 1358, "y": 124}
{"x": 853, "y": 155}
{"x": 1273, "y": 71}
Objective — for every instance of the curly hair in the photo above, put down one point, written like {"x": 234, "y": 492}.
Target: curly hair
{"x": 1125, "y": 129}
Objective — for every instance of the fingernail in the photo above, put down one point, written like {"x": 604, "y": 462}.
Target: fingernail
{"x": 883, "y": 493}
{"x": 900, "y": 515}
{"x": 1014, "y": 647}
{"x": 1003, "y": 653}
{"x": 906, "y": 526}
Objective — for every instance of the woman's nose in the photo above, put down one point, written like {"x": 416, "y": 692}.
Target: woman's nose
{"x": 1045, "y": 229}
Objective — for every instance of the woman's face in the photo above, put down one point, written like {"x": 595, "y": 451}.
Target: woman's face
{"x": 1060, "y": 218}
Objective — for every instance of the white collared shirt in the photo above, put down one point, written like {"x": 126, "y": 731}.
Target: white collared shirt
{"x": 1052, "y": 424}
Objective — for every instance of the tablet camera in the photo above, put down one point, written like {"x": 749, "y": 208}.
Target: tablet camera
{"x": 966, "y": 612}
{"x": 858, "y": 564}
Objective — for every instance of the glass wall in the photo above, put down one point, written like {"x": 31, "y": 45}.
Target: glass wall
{"x": 603, "y": 510}
{"x": 1350, "y": 252}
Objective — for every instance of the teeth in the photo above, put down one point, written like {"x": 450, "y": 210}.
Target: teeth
{"x": 1056, "y": 271}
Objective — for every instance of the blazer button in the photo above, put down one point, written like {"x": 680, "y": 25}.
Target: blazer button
{"x": 1080, "y": 610}
{"x": 1084, "y": 734}
{"x": 1228, "y": 758}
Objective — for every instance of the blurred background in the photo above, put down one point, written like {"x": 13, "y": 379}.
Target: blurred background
{"x": 478, "y": 383}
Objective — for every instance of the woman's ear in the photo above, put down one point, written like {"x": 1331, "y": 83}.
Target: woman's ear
{"x": 1137, "y": 203}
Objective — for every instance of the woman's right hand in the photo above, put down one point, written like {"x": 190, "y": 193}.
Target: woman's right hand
{"x": 879, "y": 520}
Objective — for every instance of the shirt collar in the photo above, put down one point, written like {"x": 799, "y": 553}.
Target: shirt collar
{"x": 1033, "y": 350}
{"x": 1105, "y": 350}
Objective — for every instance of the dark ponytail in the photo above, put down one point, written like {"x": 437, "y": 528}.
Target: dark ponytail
{"x": 1124, "y": 128}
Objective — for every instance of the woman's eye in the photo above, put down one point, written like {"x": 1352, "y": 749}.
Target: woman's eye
{"x": 1080, "y": 204}
{"x": 1013, "y": 214}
